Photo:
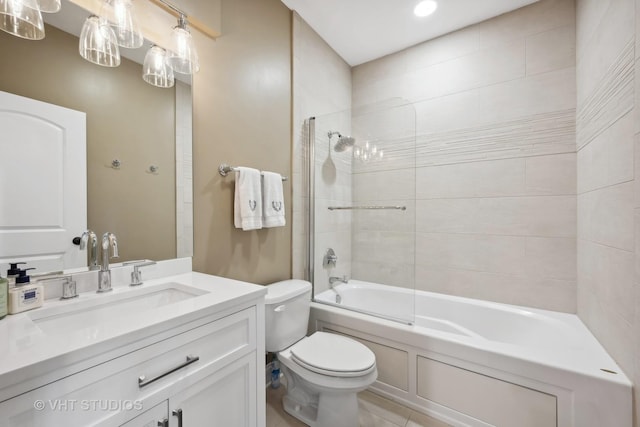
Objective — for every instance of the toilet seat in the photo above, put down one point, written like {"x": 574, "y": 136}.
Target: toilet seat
{"x": 333, "y": 355}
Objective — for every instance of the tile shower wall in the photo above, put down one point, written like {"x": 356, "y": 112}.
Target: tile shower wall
{"x": 494, "y": 167}
{"x": 321, "y": 87}
{"x": 608, "y": 129}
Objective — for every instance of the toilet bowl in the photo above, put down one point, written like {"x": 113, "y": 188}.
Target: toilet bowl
{"x": 324, "y": 372}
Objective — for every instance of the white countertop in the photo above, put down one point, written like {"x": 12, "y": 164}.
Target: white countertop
{"x": 28, "y": 355}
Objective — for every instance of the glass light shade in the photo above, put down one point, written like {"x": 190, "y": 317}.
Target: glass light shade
{"x": 49, "y": 6}
{"x": 98, "y": 43}
{"x": 156, "y": 70}
{"x": 121, "y": 16}
{"x": 22, "y": 18}
{"x": 183, "y": 56}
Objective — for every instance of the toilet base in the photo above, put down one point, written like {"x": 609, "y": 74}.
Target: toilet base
{"x": 318, "y": 407}
{"x": 306, "y": 414}
{"x": 336, "y": 410}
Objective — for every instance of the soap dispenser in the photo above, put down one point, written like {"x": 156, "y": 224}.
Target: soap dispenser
{"x": 13, "y": 272}
{"x": 25, "y": 295}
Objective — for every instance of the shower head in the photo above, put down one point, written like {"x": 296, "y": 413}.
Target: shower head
{"x": 343, "y": 143}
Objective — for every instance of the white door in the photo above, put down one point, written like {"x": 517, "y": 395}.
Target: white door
{"x": 43, "y": 183}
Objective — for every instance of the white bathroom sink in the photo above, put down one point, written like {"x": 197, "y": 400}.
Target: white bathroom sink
{"x": 100, "y": 309}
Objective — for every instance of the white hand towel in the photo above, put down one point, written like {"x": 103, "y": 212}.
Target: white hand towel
{"x": 272, "y": 200}
{"x": 247, "y": 205}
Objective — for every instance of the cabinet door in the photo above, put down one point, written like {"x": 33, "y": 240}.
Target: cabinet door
{"x": 225, "y": 398}
{"x": 158, "y": 416}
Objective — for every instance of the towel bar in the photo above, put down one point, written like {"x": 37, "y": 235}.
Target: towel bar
{"x": 224, "y": 169}
{"x": 338, "y": 208}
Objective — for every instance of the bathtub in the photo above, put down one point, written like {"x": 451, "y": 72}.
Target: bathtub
{"x": 475, "y": 363}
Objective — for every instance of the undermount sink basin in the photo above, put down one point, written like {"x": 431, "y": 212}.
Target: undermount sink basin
{"x": 102, "y": 308}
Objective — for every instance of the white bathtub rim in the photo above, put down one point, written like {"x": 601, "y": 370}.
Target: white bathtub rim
{"x": 589, "y": 396}
{"x": 502, "y": 356}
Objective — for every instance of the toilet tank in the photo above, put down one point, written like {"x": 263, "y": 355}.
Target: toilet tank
{"x": 287, "y": 313}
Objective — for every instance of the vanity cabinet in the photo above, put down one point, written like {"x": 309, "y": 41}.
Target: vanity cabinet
{"x": 206, "y": 374}
{"x": 158, "y": 416}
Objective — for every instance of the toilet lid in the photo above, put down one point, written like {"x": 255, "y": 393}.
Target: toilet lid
{"x": 334, "y": 355}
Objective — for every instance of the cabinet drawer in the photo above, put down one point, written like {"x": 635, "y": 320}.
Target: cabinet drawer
{"x": 110, "y": 393}
{"x": 491, "y": 400}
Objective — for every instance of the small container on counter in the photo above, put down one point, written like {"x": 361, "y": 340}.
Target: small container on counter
{"x": 25, "y": 295}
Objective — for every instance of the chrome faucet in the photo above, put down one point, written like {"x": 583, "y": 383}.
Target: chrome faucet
{"x": 342, "y": 279}
{"x": 109, "y": 241}
{"x": 89, "y": 241}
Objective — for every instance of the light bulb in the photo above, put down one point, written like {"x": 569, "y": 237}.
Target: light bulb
{"x": 425, "y": 8}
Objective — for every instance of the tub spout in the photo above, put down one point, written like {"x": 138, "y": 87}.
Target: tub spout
{"x": 342, "y": 279}
{"x": 332, "y": 281}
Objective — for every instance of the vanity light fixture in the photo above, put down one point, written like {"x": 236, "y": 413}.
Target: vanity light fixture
{"x": 49, "y": 6}
{"x": 22, "y": 18}
{"x": 425, "y": 8}
{"x": 98, "y": 43}
{"x": 182, "y": 54}
{"x": 121, "y": 17}
{"x": 156, "y": 69}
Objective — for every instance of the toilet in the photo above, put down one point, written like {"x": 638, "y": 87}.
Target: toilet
{"x": 324, "y": 371}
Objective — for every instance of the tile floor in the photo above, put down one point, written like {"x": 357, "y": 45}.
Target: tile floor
{"x": 374, "y": 411}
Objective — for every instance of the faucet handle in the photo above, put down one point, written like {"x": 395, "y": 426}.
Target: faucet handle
{"x": 69, "y": 288}
{"x": 136, "y": 274}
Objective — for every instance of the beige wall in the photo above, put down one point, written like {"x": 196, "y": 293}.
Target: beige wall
{"x": 608, "y": 141}
{"x": 491, "y": 183}
{"x": 242, "y": 116}
{"x": 138, "y": 206}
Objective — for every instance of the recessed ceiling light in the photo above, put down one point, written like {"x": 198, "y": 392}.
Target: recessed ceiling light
{"x": 425, "y": 8}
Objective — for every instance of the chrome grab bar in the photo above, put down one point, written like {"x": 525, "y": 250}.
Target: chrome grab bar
{"x": 338, "y": 208}
{"x": 143, "y": 381}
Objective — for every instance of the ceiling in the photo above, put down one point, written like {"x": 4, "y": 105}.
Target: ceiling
{"x": 364, "y": 30}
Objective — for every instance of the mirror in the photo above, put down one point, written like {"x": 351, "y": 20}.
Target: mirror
{"x": 138, "y": 137}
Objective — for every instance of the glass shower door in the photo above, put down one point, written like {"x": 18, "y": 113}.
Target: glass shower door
{"x": 364, "y": 208}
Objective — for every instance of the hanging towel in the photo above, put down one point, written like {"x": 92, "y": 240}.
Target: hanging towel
{"x": 272, "y": 200}
{"x": 247, "y": 205}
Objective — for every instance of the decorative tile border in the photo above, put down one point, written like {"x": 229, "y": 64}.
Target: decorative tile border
{"x": 611, "y": 99}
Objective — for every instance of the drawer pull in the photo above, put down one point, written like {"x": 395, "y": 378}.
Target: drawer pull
{"x": 163, "y": 423}
{"x": 143, "y": 381}
{"x": 178, "y": 413}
